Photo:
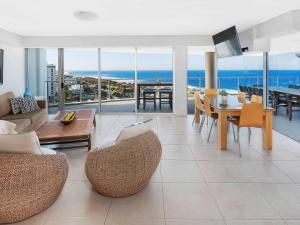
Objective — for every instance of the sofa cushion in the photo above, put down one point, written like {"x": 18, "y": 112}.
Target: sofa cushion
{"x": 25, "y": 143}
{"x": 5, "y": 107}
{"x": 28, "y": 104}
{"x": 21, "y": 124}
{"x": 7, "y": 127}
{"x": 33, "y": 116}
{"x": 15, "y": 104}
{"x": 135, "y": 130}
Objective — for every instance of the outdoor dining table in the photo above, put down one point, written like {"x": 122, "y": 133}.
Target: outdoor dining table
{"x": 233, "y": 108}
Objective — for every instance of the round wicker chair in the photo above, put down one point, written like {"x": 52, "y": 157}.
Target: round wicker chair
{"x": 29, "y": 184}
{"x": 124, "y": 168}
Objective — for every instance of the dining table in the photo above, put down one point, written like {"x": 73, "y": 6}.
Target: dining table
{"x": 233, "y": 107}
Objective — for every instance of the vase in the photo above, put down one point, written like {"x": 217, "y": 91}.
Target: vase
{"x": 27, "y": 92}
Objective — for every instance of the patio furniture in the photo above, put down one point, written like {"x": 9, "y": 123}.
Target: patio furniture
{"x": 293, "y": 86}
{"x": 29, "y": 184}
{"x": 154, "y": 85}
{"x": 249, "y": 91}
{"x": 243, "y": 89}
{"x": 255, "y": 91}
{"x": 126, "y": 167}
{"x": 149, "y": 95}
{"x": 251, "y": 116}
{"x": 165, "y": 97}
{"x": 79, "y": 131}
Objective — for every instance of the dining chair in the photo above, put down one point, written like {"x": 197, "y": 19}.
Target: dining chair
{"x": 256, "y": 99}
{"x": 198, "y": 105}
{"x": 211, "y": 92}
{"x": 241, "y": 97}
{"x": 251, "y": 116}
{"x": 209, "y": 114}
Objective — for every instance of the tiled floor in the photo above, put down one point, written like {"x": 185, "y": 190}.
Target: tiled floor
{"x": 195, "y": 184}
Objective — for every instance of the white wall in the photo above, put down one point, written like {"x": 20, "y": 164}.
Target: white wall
{"x": 14, "y": 63}
{"x": 13, "y": 69}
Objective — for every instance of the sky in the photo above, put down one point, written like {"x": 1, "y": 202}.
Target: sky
{"x": 161, "y": 59}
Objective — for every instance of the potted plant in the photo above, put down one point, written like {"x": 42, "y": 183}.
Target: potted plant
{"x": 224, "y": 95}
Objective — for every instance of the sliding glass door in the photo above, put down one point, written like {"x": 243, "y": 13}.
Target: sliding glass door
{"x": 42, "y": 76}
{"x": 195, "y": 76}
{"x": 81, "y": 79}
{"x": 155, "y": 80}
{"x": 284, "y": 92}
{"x": 117, "y": 79}
{"x": 103, "y": 79}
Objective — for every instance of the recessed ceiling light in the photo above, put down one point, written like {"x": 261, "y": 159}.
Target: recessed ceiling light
{"x": 85, "y": 15}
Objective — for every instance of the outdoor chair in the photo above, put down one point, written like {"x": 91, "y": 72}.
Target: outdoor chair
{"x": 165, "y": 97}
{"x": 149, "y": 95}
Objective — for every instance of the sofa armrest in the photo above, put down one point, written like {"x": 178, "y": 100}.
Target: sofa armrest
{"x": 43, "y": 104}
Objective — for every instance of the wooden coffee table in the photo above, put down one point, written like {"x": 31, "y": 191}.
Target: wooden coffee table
{"x": 55, "y": 133}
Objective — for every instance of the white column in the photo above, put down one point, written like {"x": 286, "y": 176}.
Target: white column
{"x": 180, "y": 81}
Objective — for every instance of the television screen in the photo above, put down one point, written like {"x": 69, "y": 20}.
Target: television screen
{"x": 1, "y": 66}
{"x": 227, "y": 43}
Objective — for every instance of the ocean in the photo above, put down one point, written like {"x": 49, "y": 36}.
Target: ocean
{"x": 227, "y": 79}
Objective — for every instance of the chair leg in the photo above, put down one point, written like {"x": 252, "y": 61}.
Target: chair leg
{"x": 233, "y": 132}
{"x": 212, "y": 123}
{"x": 249, "y": 135}
{"x": 202, "y": 123}
{"x": 193, "y": 120}
{"x": 238, "y": 140}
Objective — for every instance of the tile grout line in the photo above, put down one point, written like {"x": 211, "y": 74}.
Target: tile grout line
{"x": 162, "y": 186}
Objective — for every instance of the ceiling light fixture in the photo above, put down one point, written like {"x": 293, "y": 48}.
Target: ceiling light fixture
{"x": 85, "y": 15}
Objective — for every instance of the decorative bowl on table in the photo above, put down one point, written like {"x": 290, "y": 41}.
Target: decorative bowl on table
{"x": 68, "y": 118}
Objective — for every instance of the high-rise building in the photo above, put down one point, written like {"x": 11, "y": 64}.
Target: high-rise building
{"x": 51, "y": 78}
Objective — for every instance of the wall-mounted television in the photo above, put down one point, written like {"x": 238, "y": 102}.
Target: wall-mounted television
{"x": 227, "y": 43}
{"x": 1, "y": 66}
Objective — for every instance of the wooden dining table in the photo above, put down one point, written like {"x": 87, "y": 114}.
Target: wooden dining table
{"x": 233, "y": 108}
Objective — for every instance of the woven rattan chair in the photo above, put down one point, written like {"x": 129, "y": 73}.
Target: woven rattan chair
{"x": 124, "y": 168}
{"x": 29, "y": 184}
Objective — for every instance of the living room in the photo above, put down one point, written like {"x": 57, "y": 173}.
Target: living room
{"x": 149, "y": 112}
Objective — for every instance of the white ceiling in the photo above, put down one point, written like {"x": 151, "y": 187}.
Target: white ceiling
{"x": 137, "y": 17}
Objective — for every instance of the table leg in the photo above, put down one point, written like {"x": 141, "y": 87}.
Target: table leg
{"x": 94, "y": 121}
{"x": 89, "y": 143}
{"x": 222, "y": 131}
{"x": 267, "y": 130}
{"x": 138, "y": 96}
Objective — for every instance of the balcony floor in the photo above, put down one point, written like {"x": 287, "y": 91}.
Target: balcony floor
{"x": 195, "y": 182}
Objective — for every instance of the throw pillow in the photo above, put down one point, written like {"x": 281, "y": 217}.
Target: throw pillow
{"x": 29, "y": 104}
{"x": 15, "y": 104}
{"x": 135, "y": 130}
{"x": 7, "y": 127}
{"x": 25, "y": 143}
